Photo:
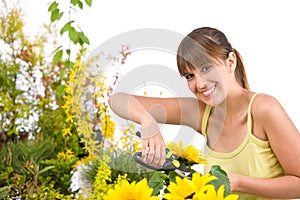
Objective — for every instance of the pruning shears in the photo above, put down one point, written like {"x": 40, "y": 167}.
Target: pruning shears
{"x": 171, "y": 163}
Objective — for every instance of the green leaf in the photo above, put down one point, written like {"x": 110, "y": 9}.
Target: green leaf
{"x": 4, "y": 192}
{"x": 172, "y": 176}
{"x": 82, "y": 38}
{"x": 80, "y": 5}
{"x": 53, "y": 6}
{"x": 222, "y": 179}
{"x": 66, "y": 27}
{"x": 62, "y": 74}
{"x": 58, "y": 55}
{"x": 46, "y": 169}
{"x": 68, "y": 52}
{"x": 74, "y": 2}
{"x": 73, "y": 35}
{"x": 156, "y": 182}
{"x": 23, "y": 180}
{"x": 69, "y": 64}
{"x": 29, "y": 170}
{"x": 89, "y": 2}
{"x": 77, "y": 2}
{"x": 56, "y": 15}
{"x": 60, "y": 90}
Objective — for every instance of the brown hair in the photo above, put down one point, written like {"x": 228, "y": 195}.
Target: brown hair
{"x": 203, "y": 45}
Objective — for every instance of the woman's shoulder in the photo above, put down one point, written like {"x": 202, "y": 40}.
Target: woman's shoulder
{"x": 264, "y": 105}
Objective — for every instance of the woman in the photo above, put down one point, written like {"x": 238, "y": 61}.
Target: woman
{"x": 248, "y": 134}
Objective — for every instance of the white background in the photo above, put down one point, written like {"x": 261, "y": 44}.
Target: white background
{"x": 265, "y": 32}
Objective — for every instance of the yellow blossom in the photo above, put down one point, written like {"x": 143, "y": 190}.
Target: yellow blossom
{"x": 69, "y": 118}
{"x": 200, "y": 181}
{"x": 186, "y": 188}
{"x": 66, "y": 131}
{"x": 209, "y": 193}
{"x": 69, "y": 88}
{"x": 67, "y": 155}
{"x": 100, "y": 184}
{"x": 107, "y": 127}
{"x": 190, "y": 153}
{"x": 179, "y": 190}
{"x": 130, "y": 191}
{"x": 84, "y": 160}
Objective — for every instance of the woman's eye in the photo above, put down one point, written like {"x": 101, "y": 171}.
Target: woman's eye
{"x": 188, "y": 76}
{"x": 205, "y": 69}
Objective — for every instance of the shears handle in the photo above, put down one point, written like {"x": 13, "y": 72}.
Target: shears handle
{"x": 167, "y": 166}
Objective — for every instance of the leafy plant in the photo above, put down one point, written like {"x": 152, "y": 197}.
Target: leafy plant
{"x": 60, "y": 174}
{"x": 22, "y": 165}
{"x": 20, "y": 58}
{"x": 222, "y": 179}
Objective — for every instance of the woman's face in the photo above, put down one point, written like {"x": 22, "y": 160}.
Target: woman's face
{"x": 207, "y": 82}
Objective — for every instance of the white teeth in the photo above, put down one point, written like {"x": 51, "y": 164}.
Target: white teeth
{"x": 208, "y": 92}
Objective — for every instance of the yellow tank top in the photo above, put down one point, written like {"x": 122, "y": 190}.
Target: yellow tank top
{"x": 254, "y": 157}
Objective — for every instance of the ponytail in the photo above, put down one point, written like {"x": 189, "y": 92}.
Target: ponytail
{"x": 240, "y": 72}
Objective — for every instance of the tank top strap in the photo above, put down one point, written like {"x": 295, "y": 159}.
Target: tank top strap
{"x": 207, "y": 113}
{"x": 249, "y": 117}
{"x": 205, "y": 119}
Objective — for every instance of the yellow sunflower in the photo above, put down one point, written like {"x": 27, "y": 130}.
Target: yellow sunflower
{"x": 190, "y": 153}
{"x": 209, "y": 193}
{"x": 200, "y": 182}
{"x": 131, "y": 191}
{"x": 186, "y": 188}
{"x": 180, "y": 190}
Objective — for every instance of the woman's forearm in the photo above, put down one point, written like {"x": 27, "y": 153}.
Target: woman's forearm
{"x": 285, "y": 187}
{"x": 128, "y": 107}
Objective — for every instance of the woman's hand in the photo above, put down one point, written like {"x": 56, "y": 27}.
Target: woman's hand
{"x": 153, "y": 150}
{"x": 234, "y": 178}
{"x": 153, "y": 145}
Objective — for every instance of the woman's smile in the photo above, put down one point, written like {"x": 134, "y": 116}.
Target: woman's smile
{"x": 208, "y": 92}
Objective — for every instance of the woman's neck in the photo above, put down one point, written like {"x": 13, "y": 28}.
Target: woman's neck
{"x": 235, "y": 104}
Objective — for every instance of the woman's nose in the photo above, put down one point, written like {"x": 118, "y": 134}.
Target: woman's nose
{"x": 201, "y": 83}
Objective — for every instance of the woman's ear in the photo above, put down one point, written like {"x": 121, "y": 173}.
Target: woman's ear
{"x": 231, "y": 62}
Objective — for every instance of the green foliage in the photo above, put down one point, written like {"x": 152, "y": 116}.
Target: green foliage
{"x": 156, "y": 181}
{"x": 222, "y": 179}
{"x": 29, "y": 167}
{"x": 55, "y": 13}
{"x": 21, "y": 162}
{"x": 123, "y": 162}
{"x": 75, "y": 35}
{"x": 120, "y": 163}
{"x": 11, "y": 24}
{"x": 58, "y": 56}
{"x": 52, "y": 122}
{"x": 48, "y": 192}
{"x": 17, "y": 58}
{"x": 59, "y": 175}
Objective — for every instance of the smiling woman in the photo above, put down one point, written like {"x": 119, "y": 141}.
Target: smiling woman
{"x": 246, "y": 132}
